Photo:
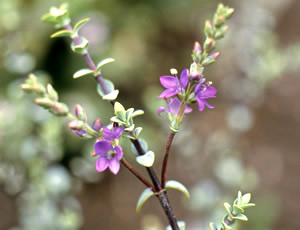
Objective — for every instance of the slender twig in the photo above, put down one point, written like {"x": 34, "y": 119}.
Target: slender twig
{"x": 137, "y": 174}
{"x": 166, "y": 157}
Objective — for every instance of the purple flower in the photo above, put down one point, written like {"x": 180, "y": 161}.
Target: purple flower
{"x": 114, "y": 133}
{"x": 109, "y": 156}
{"x": 203, "y": 92}
{"x": 173, "y": 85}
{"x": 173, "y": 107}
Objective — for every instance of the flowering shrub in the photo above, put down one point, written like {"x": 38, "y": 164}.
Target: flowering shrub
{"x": 179, "y": 93}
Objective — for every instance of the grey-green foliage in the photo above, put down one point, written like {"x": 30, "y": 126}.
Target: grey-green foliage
{"x": 235, "y": 212}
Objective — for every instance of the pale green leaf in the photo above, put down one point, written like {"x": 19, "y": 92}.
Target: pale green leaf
{"x": 137, "y": 131}
{"x": 129, "y": 113}
{"x": 118, "y": 107}
{"x": 130, "y": 128}
{"x": 147, "y": 159}
{"x": 212, "y": 226}
{"x": 143, "y": 144}
{"x": 117, "y": 120}
{"x": 62, "y": 33}
{"x": 177, "y": 185}
{"x": 246, "y": 198}
{"x": 79, "y": 24}
{"x": 109, "y": 86}
{"x": 228, "y": 208}
{"x": 240, "y": 217}
{"x": 82, "y": 72}
{"x": 137, "y": 113}
{"x": 111, "y": 96}
{"x": 143, "y": 198}
{"x": 104, "y": 62}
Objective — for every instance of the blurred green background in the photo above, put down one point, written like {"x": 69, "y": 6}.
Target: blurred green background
{"x": 249, "y": 142}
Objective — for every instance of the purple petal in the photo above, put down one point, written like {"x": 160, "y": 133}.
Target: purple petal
{"x": 119, "y": 152}
{"x": 168, "y": 93}
{"x": 101, "y": 164}
{"x": 160, "y": 110}
{"x": 184, "y": 78}
{"x": 114, "y": 166}
{"x": 118, "y": 131}
{"x": 108, "y": 135}
{"x": 78, "y": 132}
{"x": 188, "y": 109}
{"x": 169, "y": 82}
{"x": 198, "y": 87}
{"x": 102, "y": 147}
{"x": 208, "y": 92}
{"x": 201, "y": 104}
{"x": 174, "y": 106}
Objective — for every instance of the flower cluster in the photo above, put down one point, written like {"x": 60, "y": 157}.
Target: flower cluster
{"x": 108, "y": 150}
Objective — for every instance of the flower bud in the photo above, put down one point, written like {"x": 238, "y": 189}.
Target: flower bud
{"x": 52, "y": 93}
{"x": 209, "y": 44}
{"x": 197, "y": 48}
{"x": 76, "y": 125}
{"x": 59, "y": 109}
{"x": 80, "y": 113}
{"x": 208, "y": 29}
{"x": 195, "y": 71}
{"x": 44, "y": 102}
{"x": 97, "y": 125}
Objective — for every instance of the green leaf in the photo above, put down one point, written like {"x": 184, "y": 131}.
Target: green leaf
{"x": 62, "y": 33}
{"x": 228, "y": 208}
{"x": 118, "y": 107}
{"x": 177, "y": 185}
{"x": 237, "y": 209}
{"x": 79, "y": 24}
{"x": 147, "y": 159}
{"x": 247, "y": 205}
{"x": 212, "y": 226}
{"x": 49, "y": 18}
{"x": 111, "y": 96}
{"x": 143, "y": 198}
{"x": 137, "y": 131}
{"x": 117, "y": 120}
{"x": 130, "y": 128}
{"x": 239, "y": 199}
{"x": 181, "y": 225}
{"x": 82, "y": 47}
{"x": 226, "y": 226}
{"x": 246, "y": 198}
{"x": 137, "y": 113}
{"x": 82, "y": 72}
{"x": 128, "y": 135}
{"x": 143, "y": 144}
{"x": 104, "y": 62}
{"x": 109, "y": 85}
{"x": 129, "y": 113}
{"x": 240, "y": 217}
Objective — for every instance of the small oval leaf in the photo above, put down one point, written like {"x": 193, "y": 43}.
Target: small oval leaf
{"x": 143, "y": 198}
{"x": 228, "y": 208}
{"x": 246, "y": 198}
{"x": 62, "y": 33}
{"x": 111, "y": 96}
{"x": 79, "y": 24}
{"x": 147, "y": 159}
{"x": 212, "y": 226}
{"x": 82, "y": 72}
{"x": 143, "y": 144}
{"x": 177, "y": 185}
{"x": 109, "y": 85}
{"x": 137, "y": 131}
{"x": 104, "y": 62}
{"x": 137, "y": 113}
{"x": 240, "y": 217}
